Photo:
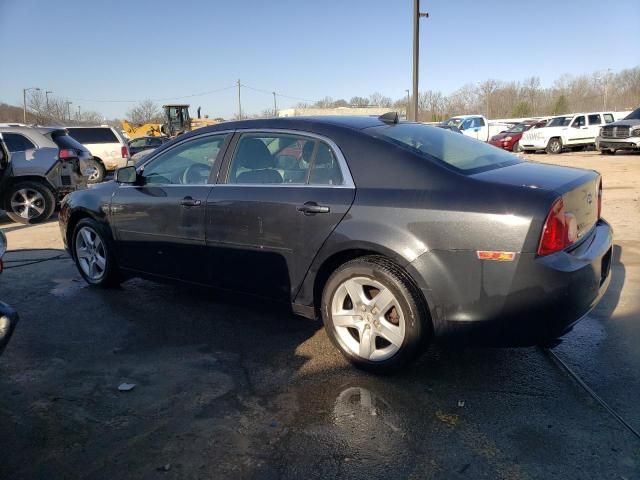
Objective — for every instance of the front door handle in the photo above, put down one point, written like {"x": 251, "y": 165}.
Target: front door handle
{"x": 190, "y": 202}
{"x": 311, "y": 208}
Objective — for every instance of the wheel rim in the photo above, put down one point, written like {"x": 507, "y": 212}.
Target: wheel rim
{"x": 91, "y": 254}
{"x": 94, "y": 172}
{"x": 555, "y": 146}
{"x": 367, "y": 319}
{"x": 28, "y": 203}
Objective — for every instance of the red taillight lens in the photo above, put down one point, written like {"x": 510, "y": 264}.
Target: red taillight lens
{"x": 600, "y": 199}
{"x": 560, "y": 230}
{"x": 125, "y": 151}
{"x": 67, "y": 153}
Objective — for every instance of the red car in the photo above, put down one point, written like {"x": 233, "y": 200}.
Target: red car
{"x": 510, "y": 139}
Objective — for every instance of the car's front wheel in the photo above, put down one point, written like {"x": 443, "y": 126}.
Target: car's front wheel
{"x": 29, "y": 202}
{"x": 94, "y": 254}
{"x": 373, "y": 313}
{"x": 606, "y": 151}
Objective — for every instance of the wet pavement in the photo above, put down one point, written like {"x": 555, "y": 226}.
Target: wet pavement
{"x": 231, "y": 387}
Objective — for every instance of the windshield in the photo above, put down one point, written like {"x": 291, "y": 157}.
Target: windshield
{"x": 635, "y": 115}
{"x": 519, "y": 128}
{"x": 464, "y": 154}
{"x": 453, "y": 122}
{"x": 559, "y": 122}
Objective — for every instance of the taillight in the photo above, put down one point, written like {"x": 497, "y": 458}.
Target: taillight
{"x": 67, "y": 153}
{"x": 560, "y": 230}
{"x": 600, "y": 198}
{"x": 125, "y": 151}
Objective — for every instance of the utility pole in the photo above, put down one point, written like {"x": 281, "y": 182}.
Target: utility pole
{"x": 24, "y": 101}
{"x": 408, "y": 102}
{"x": 46, "y": 95}
{"x": 239, "y": 102}
{"x": 78, "y": 112}
{"x": 275, "y": 105}
{"x": 606, "y": 84}
{"x": 68, "y": 104}
{"x": 416, "y": 54}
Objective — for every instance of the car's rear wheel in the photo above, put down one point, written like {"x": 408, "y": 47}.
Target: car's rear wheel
{"x": 93, "y": 253}
{"x": 554, "y": 146}
{"x": 606, "y": 151}
{"x": 95, "y": 171}
{"x": 29, "y": 202}
{"x": 374, "y": 315}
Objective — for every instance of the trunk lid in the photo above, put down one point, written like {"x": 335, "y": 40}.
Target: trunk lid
{"x": 578, "y": 187}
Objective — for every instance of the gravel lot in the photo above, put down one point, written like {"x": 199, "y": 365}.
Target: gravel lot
{"x": 237, "y": 388}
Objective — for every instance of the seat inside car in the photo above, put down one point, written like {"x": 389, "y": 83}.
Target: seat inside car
{"x": 254, "y": 163}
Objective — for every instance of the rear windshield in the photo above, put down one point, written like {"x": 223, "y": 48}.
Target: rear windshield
{"x": 464, "y": 154}
{"x": 62, "y": 140}
{"x": 93, "y": 135}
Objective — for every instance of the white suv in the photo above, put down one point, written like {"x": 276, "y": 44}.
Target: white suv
{"x": 108, "y": 147}
{"x": 566, "y": 131}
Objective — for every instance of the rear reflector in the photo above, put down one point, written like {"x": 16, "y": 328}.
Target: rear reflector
{"x": 496, "y": 255}
{"x": 559, "y": 231}
{"x": 124, "y": 151}
{"x": 67, "y": 153}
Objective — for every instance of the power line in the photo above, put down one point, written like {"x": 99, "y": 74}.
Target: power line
{"x": 278, "y": 94}
{"x": 200, "y": 94}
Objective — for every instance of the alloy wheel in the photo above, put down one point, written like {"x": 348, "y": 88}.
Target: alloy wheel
{"x": 91, "y": 253}
{"x": 368, "y": 319}
{"x": 28, "y": 203}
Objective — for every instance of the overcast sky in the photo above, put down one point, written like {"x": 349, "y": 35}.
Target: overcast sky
{"x": 130, "y": 50}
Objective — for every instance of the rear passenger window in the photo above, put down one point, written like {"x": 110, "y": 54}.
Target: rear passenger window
{"x": 93, "y": 135}
{"x": 325, "y": 170}
{"x": 594, "y": 119}
{"x": 608, "y": 118}
{"x": 16, "y": 142}
{"x": 271, "y": 159}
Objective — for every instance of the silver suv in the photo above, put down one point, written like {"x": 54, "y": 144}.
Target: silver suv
{"x": 45, "y": 164}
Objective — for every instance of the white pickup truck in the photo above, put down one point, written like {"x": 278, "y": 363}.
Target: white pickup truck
{"x": 476, "y": 126}
{"x": 566, "y": 131}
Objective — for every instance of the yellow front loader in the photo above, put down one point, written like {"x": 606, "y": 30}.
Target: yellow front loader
{"x": 177, "y": 122}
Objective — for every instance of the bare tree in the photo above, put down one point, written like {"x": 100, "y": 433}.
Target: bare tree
{"x": 359, "y": 102}
{"x": 379, "y": 100}
{"x": 145, "y": 112}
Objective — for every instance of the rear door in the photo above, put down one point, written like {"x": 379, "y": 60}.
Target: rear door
{"x": 578, "y": 133}
{"x": 272, "y": 210}
{"x": 159, "y": 223}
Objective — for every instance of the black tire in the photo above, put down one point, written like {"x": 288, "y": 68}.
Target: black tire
{"x": 417, "y": 324}
{"x": 554, "y": 146}
{"x": 42, "y": 202}
{"x": 98, "y": 169}
{"x": 606, "y": 151}
{"x": 110, "y": 276}
{"x": 517, "y": 148}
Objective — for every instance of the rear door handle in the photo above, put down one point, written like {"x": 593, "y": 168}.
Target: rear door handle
{"x": 190, "y": 202}
{"x": 311, "y": 208}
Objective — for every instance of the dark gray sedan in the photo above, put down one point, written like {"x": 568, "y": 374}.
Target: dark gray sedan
{"x": 394, "y": 233}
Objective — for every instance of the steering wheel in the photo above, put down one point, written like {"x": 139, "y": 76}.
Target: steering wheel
{"x": 195, "y": 174}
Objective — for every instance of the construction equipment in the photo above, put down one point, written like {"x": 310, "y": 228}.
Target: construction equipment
{"x": 177, "y": 121}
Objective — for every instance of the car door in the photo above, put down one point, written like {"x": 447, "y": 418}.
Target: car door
{"x": 577, "y": 132}
{"x": 594, "y": 123}
{"x": 272, "y": 210}
{"x": 137, "y": 145}
{"x": 159, "y": 223}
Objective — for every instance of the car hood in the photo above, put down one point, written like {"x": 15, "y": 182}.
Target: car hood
{"x": 624, "y": 123}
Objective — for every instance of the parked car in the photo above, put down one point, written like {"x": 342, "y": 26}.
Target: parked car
{"x": 620, "y": 135}
{"x": 108, "y": 148}
{"x": 8, "y": 316}
{"x": 475, "y": 126}
{"x": 394, "y": 233}
{"x": 452, "y": 128}
{"x": 566, "y": 131}
{"x": 145, "y": 143}
{"x": 45, "y": 165}
{"x": 510, "y": 139}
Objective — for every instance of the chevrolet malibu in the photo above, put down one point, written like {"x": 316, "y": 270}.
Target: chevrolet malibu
{"x": 393, "y": 233}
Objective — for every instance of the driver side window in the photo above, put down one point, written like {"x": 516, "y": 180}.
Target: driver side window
{"x": 187, "y": 164}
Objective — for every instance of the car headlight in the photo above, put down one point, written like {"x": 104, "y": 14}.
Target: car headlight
{"x": 507, "y": 139}
{"x": 3, "y": 243}
{"x": 635, "y": 132}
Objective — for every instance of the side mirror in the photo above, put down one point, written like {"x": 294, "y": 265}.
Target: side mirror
{"x": 126, "y": 175}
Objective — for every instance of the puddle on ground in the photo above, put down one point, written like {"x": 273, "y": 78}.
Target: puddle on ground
{"x": 66, "y": 287}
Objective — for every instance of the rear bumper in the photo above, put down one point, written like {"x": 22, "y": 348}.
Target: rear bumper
{"x": 606, "y": 143}
{"x": 113, "y": 163}
{"x": 514, "y": 303}
{"x": 534, "y": 144}
{"x": 8, "y": 322}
